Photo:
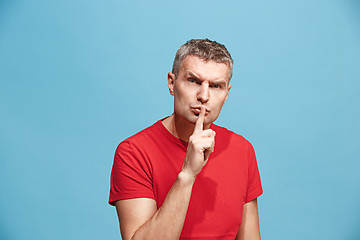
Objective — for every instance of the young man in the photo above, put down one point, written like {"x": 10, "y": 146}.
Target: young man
{"x": 184, "y": 177}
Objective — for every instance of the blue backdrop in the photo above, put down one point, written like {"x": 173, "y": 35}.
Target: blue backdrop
{"x": 77, "y": 77}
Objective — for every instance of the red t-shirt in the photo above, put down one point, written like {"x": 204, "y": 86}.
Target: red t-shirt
{"x": 147, "y": 164}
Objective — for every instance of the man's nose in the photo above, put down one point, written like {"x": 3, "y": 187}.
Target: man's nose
{"x": 204, "y": 93}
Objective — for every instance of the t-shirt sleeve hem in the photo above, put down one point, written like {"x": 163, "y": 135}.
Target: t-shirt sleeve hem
{"x": 254, "y": 194}
{"x": 122, "y": 196}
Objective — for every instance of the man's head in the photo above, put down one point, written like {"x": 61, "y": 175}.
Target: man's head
{"x": 204, "y": 49}
{"x": 200, "y": 77}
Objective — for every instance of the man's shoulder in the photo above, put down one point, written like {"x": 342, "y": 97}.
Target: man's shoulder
{"x": 144, "y": 134}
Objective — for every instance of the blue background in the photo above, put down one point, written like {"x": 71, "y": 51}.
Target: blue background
{"x": 77, "y": 77}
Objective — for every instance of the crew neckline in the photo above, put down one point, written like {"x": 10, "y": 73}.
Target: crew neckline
{"x": 169, "y": 134}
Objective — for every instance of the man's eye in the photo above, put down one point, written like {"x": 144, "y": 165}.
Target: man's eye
{"x": 192, "y": 80}
{"x": 215, "y": 86}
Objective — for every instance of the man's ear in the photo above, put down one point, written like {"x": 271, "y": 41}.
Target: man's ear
{"x": 171, "y": 83}
{"x": 227, "y": 95}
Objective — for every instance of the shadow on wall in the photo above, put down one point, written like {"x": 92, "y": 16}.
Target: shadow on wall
{"x": 356, "y": 233}
{"x": 353, "y": 11}
{"x": 7, "y": 7}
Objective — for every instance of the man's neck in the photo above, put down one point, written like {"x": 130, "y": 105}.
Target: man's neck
{"x": 179, "y": 127}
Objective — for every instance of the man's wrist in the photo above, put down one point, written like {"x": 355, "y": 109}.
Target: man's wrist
{"x": 186, "y": 178}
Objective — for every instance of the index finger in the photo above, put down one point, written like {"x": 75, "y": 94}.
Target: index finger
{"x": 200, "y": 121}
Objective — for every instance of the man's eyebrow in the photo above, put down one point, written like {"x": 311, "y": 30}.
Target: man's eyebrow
{"x": 219, "y": 82}
{"x": 193, "y": 75}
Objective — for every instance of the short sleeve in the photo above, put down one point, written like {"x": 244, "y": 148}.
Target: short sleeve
{"x": 254, "y": 188}
{"x": 131, "y": 175}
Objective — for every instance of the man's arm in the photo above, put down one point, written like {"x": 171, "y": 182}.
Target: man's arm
{"x": 140, "y": 219}
{"x": 249, "y": 229}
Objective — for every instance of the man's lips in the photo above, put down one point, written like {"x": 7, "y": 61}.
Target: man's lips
{"x": 197, "y": 110}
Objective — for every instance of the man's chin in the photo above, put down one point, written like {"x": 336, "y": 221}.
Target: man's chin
{"x": 206, "y": 120}
{"x": 194, "y": 117}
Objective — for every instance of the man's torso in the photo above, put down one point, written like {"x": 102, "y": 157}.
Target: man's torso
{"x": 150, "y": 161}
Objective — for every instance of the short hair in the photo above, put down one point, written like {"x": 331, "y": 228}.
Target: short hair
{"x": 204, "y": 49}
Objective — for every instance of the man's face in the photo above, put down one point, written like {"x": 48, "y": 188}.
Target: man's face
{"x": 199, "y": 83}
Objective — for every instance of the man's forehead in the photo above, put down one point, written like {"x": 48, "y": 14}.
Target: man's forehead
{"x": 208, "y": 69}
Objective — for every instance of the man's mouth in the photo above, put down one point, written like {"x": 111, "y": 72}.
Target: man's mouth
{"x": 196, "y": 110}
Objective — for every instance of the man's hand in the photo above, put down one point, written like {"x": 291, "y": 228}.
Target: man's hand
{"x": 201, "y": 144}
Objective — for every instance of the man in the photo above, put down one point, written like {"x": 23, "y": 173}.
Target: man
{"x": 184, "y": 177}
